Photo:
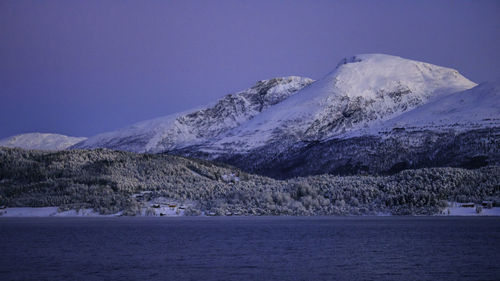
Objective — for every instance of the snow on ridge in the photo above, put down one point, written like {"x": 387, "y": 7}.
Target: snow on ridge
{"x": 347, "y": 60}
{"x": 195, "y": 126}
{"x": 361, "y": 89}
{"x": 474, "y": 108}
{"x": 374, "y": 72}
{"x": 41, "y": 141}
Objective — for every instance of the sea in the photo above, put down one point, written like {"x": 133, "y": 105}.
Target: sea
{"x": 250, "y": 248}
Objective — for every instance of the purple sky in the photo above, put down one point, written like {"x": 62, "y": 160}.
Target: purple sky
{"x": 85, "y": 67}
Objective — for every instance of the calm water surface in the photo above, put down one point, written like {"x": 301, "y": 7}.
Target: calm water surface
{"x": 260, "y": 248}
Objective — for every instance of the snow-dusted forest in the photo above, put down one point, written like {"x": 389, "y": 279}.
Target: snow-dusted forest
{"x": 108, "y": 182}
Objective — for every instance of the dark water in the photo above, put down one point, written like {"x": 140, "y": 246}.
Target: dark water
{"x": 373, "y": 248}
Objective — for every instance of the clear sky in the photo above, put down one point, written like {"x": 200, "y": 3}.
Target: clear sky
{"x": 84, "y": 67}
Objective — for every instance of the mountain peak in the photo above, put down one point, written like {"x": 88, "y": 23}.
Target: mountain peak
{"x": 347, "y": 60}
{"x": 364, "y": 74}
{"x": 285, "y": 110}
{"x": 361, "y": 89}
{"x": 41, "y": 141}
{"x": 274, "y": 90}
{"x": 367, "y": 57}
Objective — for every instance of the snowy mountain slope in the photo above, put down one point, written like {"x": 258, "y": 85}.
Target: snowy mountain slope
{"x": 445, "y": 128}
{"x": 360, "y": 90}
{"x": 372, "y": 154}
{"x": 41, "y": 141}
{"x": 475, "y": 108}
{"x": 459, "y": 130}
{"x": 196, "y": 126}
{"x": 371, "y": 114}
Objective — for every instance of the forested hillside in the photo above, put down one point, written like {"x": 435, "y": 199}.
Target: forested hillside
{"x": 105, "y": 180}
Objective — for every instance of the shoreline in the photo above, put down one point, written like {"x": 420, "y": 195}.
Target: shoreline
{"x": 52, "y": 212}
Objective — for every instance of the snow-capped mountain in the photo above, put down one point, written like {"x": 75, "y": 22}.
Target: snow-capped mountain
{"x": 197, "y": 126}
{"x": 41, "y": 141}
{"x": 373, "y": 113}
{"x": 460, "y": 129}
{"x": 361, "y": 90}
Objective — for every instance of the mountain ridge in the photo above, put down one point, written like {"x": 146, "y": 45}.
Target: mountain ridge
{"x": 392, "y": 145}
{"x": 195, "y": 126}
{"x": 42, "y": 141}
{"x": 361, "y": 89}
{"x": 372, "y": 114}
